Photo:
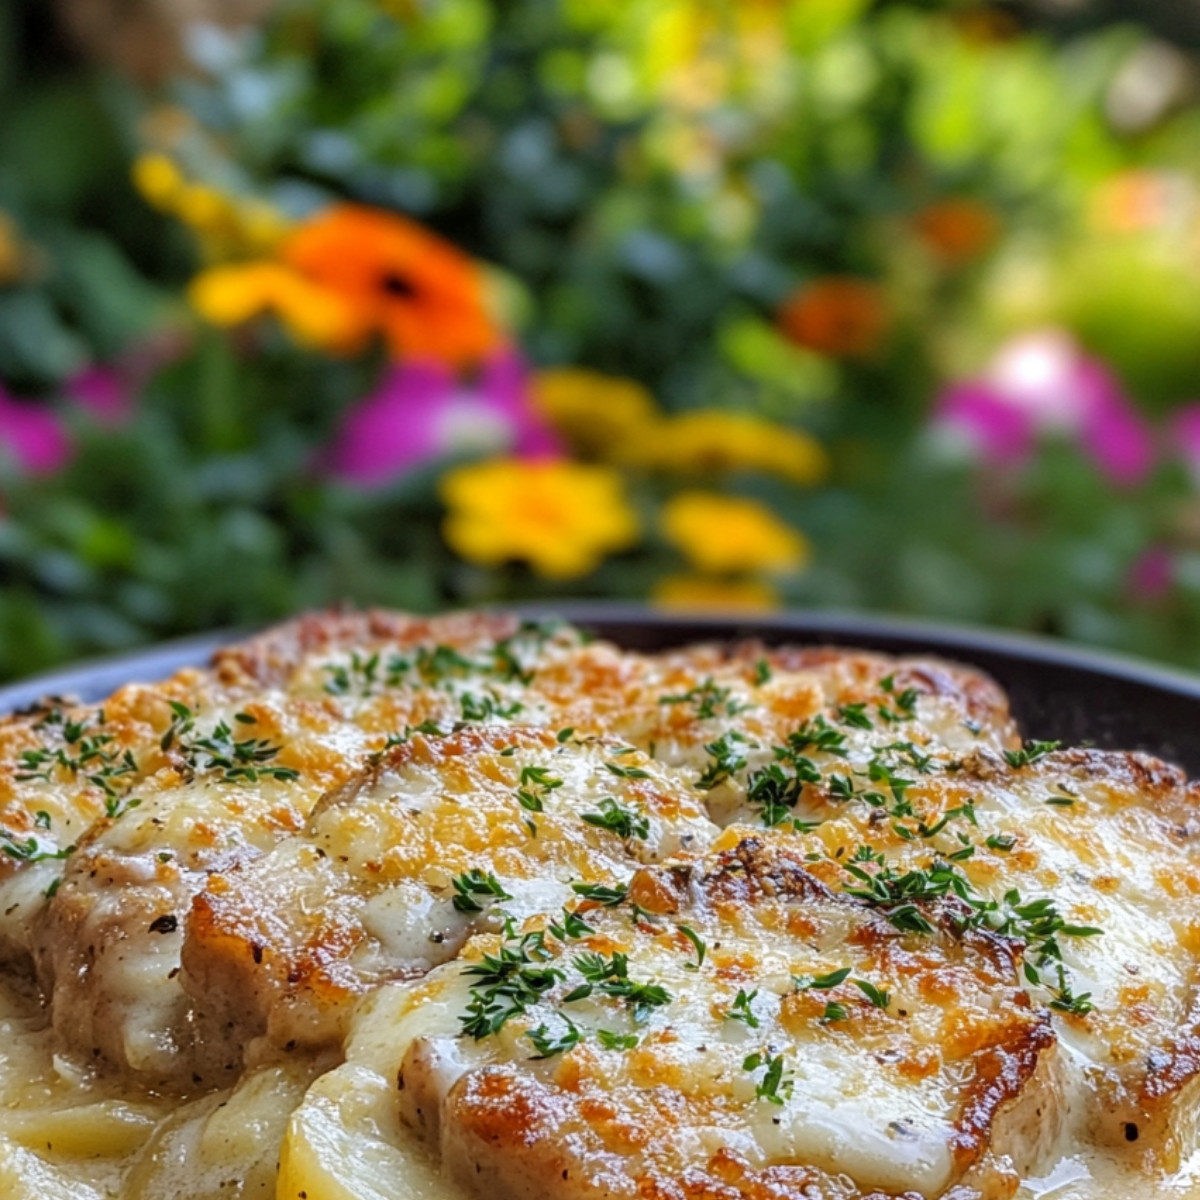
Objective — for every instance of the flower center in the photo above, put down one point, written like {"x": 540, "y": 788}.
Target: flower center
{"x": 396, "y": 285}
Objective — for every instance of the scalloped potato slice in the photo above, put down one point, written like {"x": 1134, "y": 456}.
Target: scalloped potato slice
{"x": 336, "y": 1147}
{"x": 25, "y": 1176}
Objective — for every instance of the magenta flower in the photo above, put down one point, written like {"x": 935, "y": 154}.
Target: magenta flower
{"x": 1041, "y": 384}
{"x": 103, "y": 393}
{"x": 420, "y": 411}
{"x": 1151, "y": 574}
{"x": 1185, "y": 437}
{"x": 989, "y": 428}
{"x": 32, "y": 436}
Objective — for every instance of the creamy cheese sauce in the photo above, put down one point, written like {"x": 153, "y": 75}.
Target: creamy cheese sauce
{"x": 82, "y": 1112}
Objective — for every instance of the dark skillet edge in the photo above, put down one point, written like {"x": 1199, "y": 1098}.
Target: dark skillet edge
{"x": 1058, "y": 691}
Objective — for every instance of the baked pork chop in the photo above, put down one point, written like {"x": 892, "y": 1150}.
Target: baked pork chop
{"x": 731, "y": 1027}
{"x": 441, "y": 837}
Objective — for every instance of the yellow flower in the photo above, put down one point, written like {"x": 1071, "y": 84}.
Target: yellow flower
{"x": 560, "y": 517}
{"x": 158, "y": 179}
{"x": 598, "y": 414}
{"x": 13, "y": 259}
{"x": 229, "y": 295}
{"x": 709, "y": 441}
{"x": 729, "y": 534}
{"x": 702, "y": 593}
{"x": 204, "y": 209}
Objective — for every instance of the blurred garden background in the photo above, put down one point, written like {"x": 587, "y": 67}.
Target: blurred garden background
{"x": 887, "y": 306}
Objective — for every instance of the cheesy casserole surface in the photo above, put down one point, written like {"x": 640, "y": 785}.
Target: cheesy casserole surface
{"x": 382, "y": 906}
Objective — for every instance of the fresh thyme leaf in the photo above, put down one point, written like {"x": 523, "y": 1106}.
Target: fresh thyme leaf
{"x": 741, "y": 1010}
{"x": 616, "y": 1041}
{"x": 727, "y": 760}
{"x": 821, "y": 982}
{"x": 833, "y": 1012}
{"x": 1065, "y": 1001}
{"x": 878, "y": 997}
{"x": 627, "y": 772}
{"x": 506, "y": 983}
{"x": 624, "y": 822}
{"x": 816, "y": 734}
{"x": 762, "y": 672}
{"x": 572, "y": 925}
{"x": 855, "y": 715}
{"x": 708, "y": 698}
{"x": 1029, "y": 753}
{"x": 487, "y": 707}
{"x": 548, "y": 1045}
{"x": 701, "y": 950}
{"x": 774, "y": 1086}
{"x": 477, "y": 883}
{"x": 1001, "y": 841}
{"x": 601, "y": 893}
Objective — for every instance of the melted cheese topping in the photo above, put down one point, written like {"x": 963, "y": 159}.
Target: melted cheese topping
{"x": 274, "y": 846}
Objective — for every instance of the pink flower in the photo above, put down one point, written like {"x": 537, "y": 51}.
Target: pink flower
{"x": 103, "y": 392}
{"x": 420, "y": 411}
{"x": 1041, "y": 384}
{"x": 1151, "y": 574}
{"x": 991, "y": 429}
{"x": 1185, "y": 437}
{"x": 32, "y": 436}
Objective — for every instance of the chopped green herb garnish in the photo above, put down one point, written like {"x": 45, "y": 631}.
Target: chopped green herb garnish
{"x": 701, "y": 950}
{"x": 477, "y": 883}
{"x": 878, "y": 997}
{"x": 548, "y": 1045}
{"x": 1029, "y": 753}
{"x": 774, "y": 1085}
{"x": 741, "y": 1010}
{"x": 616, "y": 1041}
{"x": 821, "y": 982}
{"x": 624, "y": 822}
{"x": 709, "y": 700}
{"x": 610, "y": 897}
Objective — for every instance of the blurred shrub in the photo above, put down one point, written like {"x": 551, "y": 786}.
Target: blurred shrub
{"x": 711, "y": 302}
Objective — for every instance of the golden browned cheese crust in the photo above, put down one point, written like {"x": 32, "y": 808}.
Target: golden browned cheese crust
{"x": 716, "y": 922}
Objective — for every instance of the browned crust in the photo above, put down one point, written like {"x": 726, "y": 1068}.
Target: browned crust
{"x": 270, "y": 658}
{"x": 420, "y": 750}
{"x": 1001, "y": 1073}
{"x": 978, "y": 695}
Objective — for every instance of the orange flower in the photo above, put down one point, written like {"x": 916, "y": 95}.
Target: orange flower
{"x": 374, "y": 272}
{"x": 957, "y": 229}
{"x": 840, "y": 316}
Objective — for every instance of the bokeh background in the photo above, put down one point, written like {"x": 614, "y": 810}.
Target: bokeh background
{"x": 891, "y": 306}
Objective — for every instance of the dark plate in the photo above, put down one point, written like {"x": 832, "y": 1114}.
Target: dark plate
{"x": 1058, "y": 691}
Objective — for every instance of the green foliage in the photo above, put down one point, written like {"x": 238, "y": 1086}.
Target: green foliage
{"x": 648, "y": 184}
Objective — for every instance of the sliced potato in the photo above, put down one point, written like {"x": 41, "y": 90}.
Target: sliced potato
{"x": 343, "y": 1143}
